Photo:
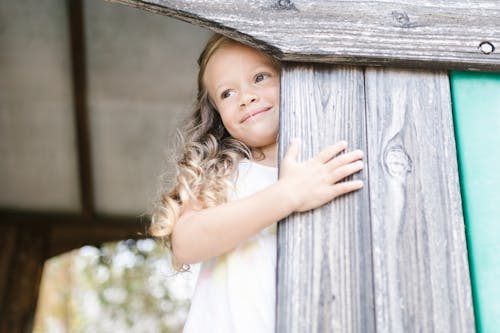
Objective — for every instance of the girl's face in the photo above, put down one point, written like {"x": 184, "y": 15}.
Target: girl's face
{"x": 243, "y": 85}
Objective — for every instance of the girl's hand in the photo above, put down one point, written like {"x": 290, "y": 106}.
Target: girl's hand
{"x": 315, "y": 182}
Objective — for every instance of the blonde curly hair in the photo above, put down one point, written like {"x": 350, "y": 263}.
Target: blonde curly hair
{"x": 206, "y": 161}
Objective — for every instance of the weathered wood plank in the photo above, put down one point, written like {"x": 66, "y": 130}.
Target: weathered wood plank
{"x": 430, "y": 33}
{"x": 324, "y": 257}
{"x": 421, "y": 275}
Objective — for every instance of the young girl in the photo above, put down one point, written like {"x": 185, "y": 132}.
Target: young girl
{"x": 227, "y": 198}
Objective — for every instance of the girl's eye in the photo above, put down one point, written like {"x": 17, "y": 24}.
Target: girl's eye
{"x": 226, "y": 93}
{"x": 260, "y": 77}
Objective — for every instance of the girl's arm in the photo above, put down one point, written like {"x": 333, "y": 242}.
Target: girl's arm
{"x": 205, "y": 233}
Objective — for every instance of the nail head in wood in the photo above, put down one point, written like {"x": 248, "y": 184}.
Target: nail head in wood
{"x": 487, "y": 47}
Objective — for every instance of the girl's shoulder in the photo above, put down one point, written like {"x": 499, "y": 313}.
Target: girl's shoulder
{"x": 257, "y": 167}
{"x": 252, "y": 177}
{"x": 254, "y": 170}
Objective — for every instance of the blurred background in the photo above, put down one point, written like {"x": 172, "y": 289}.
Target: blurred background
{"x": 91, "y": 95}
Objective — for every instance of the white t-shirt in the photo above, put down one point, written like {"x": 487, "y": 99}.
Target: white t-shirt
{"x": 235, "y": 292}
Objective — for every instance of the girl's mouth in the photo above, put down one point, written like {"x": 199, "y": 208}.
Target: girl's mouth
{"x": 254, "y": 113}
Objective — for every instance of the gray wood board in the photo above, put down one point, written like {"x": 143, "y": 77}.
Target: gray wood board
{"x": 324, "y": 261}
{"x": 419, "y": 251}
{"x": 431, "y": 34}
{"x": 392, "y": 257}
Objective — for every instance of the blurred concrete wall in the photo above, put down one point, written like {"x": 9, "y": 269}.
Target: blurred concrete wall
{"x": 141, "y": 70}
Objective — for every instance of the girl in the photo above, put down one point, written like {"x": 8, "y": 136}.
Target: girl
{"x": 227, "y": 198}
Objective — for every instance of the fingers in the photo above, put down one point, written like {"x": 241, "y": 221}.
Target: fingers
{"x": 346, "y": 187}
{"x": 346, "y": 171}
{"x": 330, "y": 152}
{"x": 293, "y": 150}
{"x": 344, "y": 159}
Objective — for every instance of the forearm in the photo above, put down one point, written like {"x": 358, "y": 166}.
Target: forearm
{"x": 199, "y": 235}
{"x": 202, "y": 234}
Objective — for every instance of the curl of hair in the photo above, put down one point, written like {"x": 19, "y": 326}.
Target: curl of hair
{"x": 205, "y": 166}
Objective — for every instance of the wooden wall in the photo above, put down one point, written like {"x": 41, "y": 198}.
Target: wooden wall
{"x": 391, "y": 257}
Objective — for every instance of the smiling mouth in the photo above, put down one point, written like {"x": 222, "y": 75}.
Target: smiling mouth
{"x": 254, "y": 113}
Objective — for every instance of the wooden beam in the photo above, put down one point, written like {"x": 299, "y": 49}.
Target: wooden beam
{"x": 8, "y": 236}
{"x": 324, "y": 258}
{"x": 66, "y": 232}
{"x": 429, "y": 33}
{"x": 79, "y": 71}
{"x": 66, "y": 238}
{"x": 9, "y": 217}
{"x": 421, "y": 270}
{"x": 23, "y": 279}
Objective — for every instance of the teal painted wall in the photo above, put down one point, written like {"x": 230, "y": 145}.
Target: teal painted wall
{"x": 476, "y": 108}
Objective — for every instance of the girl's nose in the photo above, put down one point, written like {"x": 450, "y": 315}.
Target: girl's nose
{"x": 248, "y": 98}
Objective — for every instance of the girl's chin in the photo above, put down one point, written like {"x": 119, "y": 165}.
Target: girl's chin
{"x": 266, "y": 137}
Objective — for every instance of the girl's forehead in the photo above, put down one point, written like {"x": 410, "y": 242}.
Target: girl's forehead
{"x": 239, "y": 53}
{"x": 234, "y": 56}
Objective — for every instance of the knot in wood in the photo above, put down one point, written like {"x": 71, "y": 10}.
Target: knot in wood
{"x": 397, "y": 161}
{"x": 285, "y": 4}
{"x": 402, "y": 19}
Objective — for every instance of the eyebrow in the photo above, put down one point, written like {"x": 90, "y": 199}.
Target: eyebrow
{"x": 261, "y": 67}
{"x": 266, "y": 65}
{"x": 220, "y": 86}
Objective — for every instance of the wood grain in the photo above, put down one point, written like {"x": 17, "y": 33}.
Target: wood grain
{"x": 324, "y": 257}
{"x": 421, "y": 275}
{"x": 429, "y": 33}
